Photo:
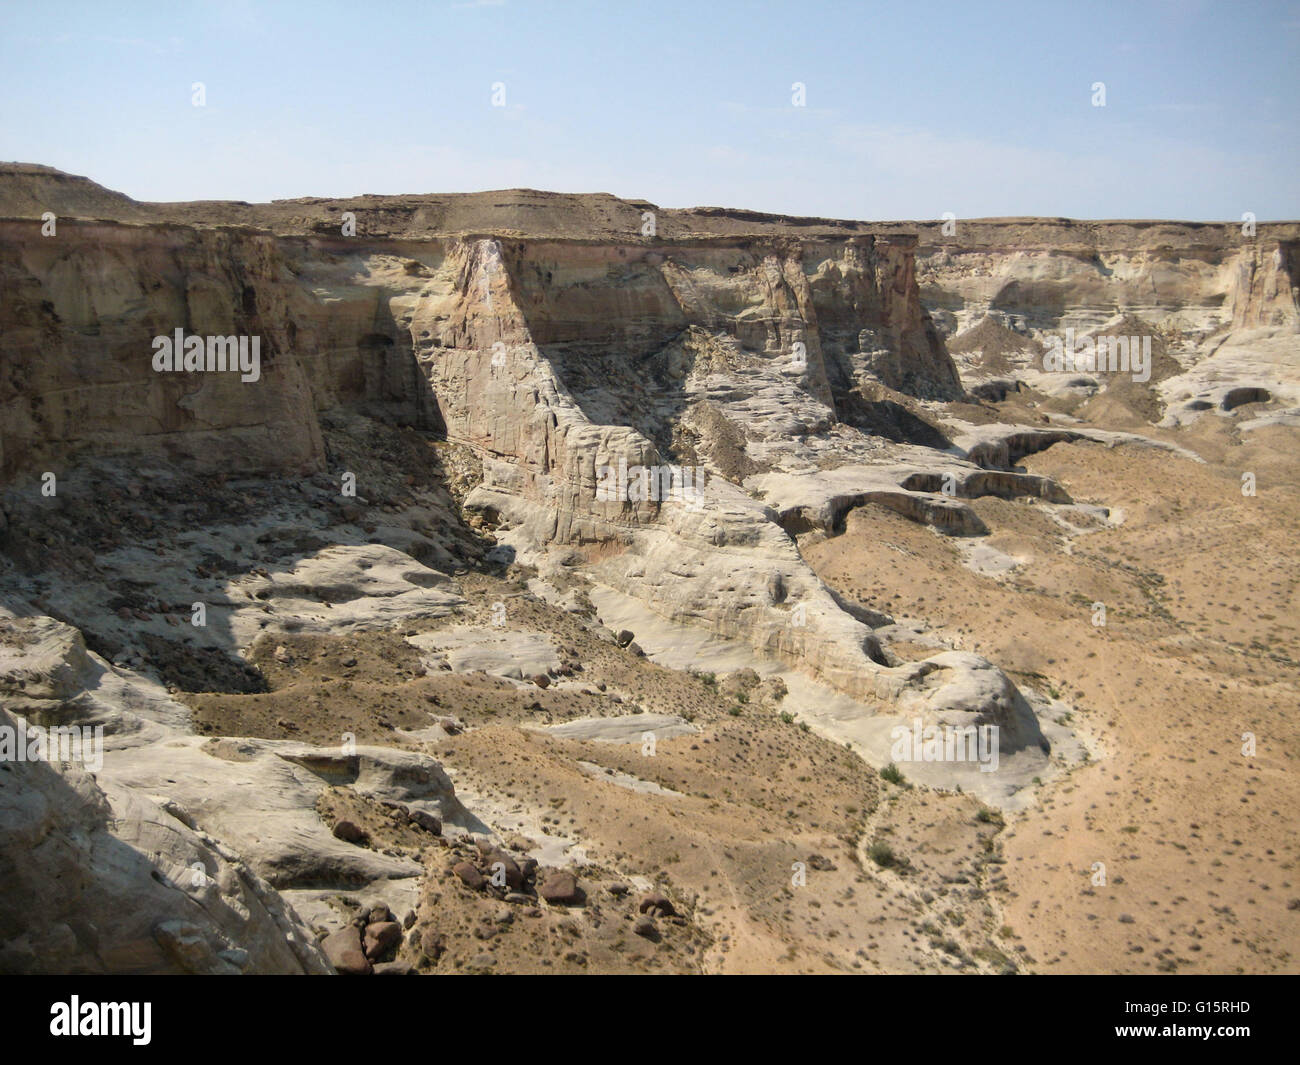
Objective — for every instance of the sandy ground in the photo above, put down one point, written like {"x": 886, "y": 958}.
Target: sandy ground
{"x": 766, "y": 821}
{"x": 1199, "y": 584}
{"x": 760, "y": 830}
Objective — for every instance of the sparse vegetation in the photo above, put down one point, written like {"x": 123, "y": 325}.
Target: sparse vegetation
{"x": 726, "y": 816}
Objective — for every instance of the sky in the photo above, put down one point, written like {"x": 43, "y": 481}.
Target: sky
{"x": 909, "y": 109}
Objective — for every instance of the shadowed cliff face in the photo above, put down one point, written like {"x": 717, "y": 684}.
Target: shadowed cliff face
{"x": 81, "y": 310}
{"x": 557, "y": 336}
{"x": 350, "y": 322}
{"x": 476, "y": 365}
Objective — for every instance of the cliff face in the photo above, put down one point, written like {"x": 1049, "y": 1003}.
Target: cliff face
{"x": 1044, "y": 274}
{"x": 557, "y": 336}
{"x": 80, "y": 311}
{"x": 371, "y": 321}
{"x": 480, "y": 364}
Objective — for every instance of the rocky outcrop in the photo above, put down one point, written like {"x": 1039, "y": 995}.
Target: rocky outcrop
{"x": 154, "y": 850}
{"x": 103, "y": 877}
{"x": 1220, "y": 307}
{"x": 558, "y": 338}
{"x": 1041, "y": 274}
{"x": 80, "y": 312}
{"x": 775, "y": 372}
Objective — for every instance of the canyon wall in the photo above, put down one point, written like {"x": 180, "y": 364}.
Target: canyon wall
{"x": 1191, "y": 278}
{"x": 554, "y": 336}
{"x": 370, "y": 321}
{"x": 522, "y": 344}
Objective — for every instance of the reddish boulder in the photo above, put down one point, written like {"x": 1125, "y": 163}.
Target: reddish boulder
{"x": 343, "y": 948}
{"x": 469, "y": 875}
{"x": 501, "y": 866}
{"x": 560, "y": 888}
{"x": 381, "y": 937}
{"x": 351, "y": 832}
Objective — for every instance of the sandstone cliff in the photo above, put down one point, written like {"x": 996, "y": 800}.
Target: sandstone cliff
{"x": 477, "y": 364}
{"x": 1049, "y": 274}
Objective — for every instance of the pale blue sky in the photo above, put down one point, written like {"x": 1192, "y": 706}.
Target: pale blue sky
{"x": 913, "y": 108}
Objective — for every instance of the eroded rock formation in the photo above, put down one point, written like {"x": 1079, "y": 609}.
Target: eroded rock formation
{"x": 445, "y": 384}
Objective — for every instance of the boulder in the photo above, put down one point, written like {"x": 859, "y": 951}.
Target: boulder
{"x": 351, "y": 832}
{"x": 426, "y": 821}
{"x": 470, "y": 875}
{"x": 560, "y": 888}
{"x": 381, "y": 937}
{"x": 500, "y": 865}
{"x": 343, "y": 948}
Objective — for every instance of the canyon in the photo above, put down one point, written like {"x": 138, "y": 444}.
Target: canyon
{"x": 370, "y": 649}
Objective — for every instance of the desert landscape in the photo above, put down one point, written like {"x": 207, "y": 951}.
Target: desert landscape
{"x": 565, "y": 584}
